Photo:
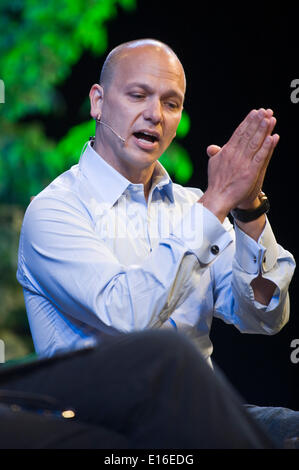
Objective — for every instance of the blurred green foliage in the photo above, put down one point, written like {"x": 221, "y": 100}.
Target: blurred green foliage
{"x": 39, "y": 44}
{"x": 14, "y": 328}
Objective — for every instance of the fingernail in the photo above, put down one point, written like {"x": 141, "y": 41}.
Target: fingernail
{"x": 261, "y": 113}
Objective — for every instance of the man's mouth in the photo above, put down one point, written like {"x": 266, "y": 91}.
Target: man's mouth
{"x": 147, "y": 139}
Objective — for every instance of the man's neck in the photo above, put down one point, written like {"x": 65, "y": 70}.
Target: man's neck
{"x": 134, "y": 175}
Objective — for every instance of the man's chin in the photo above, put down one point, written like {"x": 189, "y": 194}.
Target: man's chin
{"x": 142, "y": 158}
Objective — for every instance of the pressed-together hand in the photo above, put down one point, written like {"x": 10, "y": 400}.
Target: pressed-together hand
{"x": 237, "y": 170}
{"x": 236, "y": 174}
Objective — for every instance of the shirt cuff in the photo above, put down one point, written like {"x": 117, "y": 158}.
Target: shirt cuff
{"x": 254, "y": 257}
{"x": 203, "y": 233}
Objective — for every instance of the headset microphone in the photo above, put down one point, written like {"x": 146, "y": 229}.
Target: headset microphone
{"x": 109, "y": 127}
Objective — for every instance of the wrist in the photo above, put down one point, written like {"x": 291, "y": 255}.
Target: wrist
{"x": 261, "y": 206}
{"x": 214, "y": 205}
{"x": 253, "y": 229}
{"x": 250, "y": 205}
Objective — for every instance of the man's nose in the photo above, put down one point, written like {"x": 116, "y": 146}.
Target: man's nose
{"x": 153, "y": 111}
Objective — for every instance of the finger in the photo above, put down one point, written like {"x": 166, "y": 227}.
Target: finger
{"x": 275, "y": 138}
{"x": 257, "y": 139}
{"x": 212, "y": 150}
{"x": 263, "y": 156}
{"x": 264, "y": 129}
{"x": 234, "y": 140}
{"x": 247, "y": 129}
{"x": 272, "y": 124}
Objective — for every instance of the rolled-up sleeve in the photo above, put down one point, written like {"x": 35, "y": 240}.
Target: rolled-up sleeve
{"x": 234, "y": 296}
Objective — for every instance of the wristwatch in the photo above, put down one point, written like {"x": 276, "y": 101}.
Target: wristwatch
{"x": 247, "y": 215}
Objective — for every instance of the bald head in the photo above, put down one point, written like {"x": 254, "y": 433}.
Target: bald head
{"x": 122, "y": 51}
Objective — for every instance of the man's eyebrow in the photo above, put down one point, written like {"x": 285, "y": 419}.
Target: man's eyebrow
{"x": 139, "y": 85}
{"x": 149, "y": 89}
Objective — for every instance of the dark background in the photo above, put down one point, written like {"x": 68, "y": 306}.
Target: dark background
{"x": 236, "y": 57}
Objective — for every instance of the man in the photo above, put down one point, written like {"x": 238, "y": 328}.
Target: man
{"x": 113, "y": 246}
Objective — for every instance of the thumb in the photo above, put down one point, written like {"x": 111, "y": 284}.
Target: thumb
{"x": 212, "y": 150}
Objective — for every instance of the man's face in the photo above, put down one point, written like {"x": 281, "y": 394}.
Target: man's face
{"x": 143, "y": 104}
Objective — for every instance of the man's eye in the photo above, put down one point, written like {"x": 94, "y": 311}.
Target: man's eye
{"x": 172, "y": 104}
{"x": 137, "y": 95}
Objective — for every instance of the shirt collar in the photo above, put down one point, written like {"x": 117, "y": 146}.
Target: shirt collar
{"x": 162, "y": 181}
{"x": 109, "y": 184}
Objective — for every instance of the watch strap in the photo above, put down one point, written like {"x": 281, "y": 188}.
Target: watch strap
{"x": 248, "y": 215}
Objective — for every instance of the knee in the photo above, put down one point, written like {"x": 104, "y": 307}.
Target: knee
{"x": 168, "y": 346}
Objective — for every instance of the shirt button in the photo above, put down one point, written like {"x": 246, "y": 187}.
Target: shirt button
{"x": 215, "y": 249}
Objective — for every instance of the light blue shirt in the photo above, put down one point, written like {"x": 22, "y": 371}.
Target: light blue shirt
{"x": 96, "y": 259}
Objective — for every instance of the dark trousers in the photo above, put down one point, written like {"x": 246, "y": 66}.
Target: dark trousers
{"x": 149, "y": 390}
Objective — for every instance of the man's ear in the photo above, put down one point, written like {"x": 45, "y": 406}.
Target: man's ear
{"x": 96, "y": 96}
